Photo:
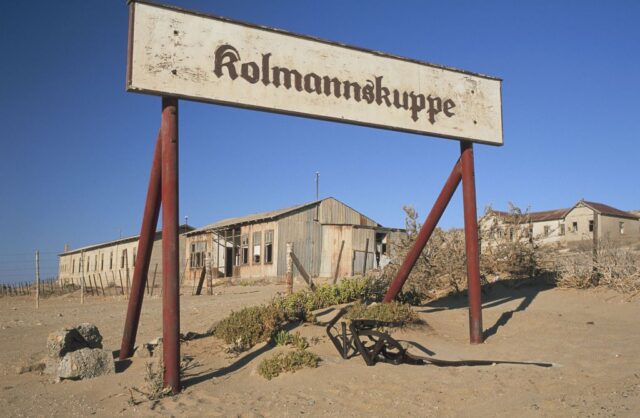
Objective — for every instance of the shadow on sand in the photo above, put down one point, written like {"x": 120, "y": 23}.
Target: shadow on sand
{"x": 494, "y": 294}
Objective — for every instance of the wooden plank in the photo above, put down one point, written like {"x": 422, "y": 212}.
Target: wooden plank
{"x": 302, "y": 271}
{"x": 200, "y": 282}
{"x": 366, "y": 252}
{"x": 335, "y": 275}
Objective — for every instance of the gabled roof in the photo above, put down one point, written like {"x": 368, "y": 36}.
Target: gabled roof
{"x": 265, "y": 216}
{"x": 182, "y": 228}
{"x": 256, "y": 217}
{"x": 603, "y": 209}
{"x": 557, "y": 214}
{"x": 547, "y": 215}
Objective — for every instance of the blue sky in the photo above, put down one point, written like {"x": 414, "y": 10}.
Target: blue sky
{"x": 76, "y": 148}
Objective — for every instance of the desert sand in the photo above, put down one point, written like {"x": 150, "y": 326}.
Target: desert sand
{"x": 591, "y": 337}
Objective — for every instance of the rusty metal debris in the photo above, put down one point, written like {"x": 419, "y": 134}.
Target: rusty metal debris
{"x": 363, "y": 337}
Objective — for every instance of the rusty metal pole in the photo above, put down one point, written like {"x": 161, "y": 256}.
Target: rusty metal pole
{"x": 145, "y": 245}
{"x": 471, "y": 242}
{"x": 425, "y": 232}
{"x": 170, "y": 255}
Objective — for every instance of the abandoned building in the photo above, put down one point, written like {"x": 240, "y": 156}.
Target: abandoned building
{"x": 328, "y": 237}
{"x": 113, "y": 261}
{"x": 571, "y": 226}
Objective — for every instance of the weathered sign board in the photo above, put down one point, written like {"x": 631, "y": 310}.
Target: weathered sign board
{"x": 207, "y": 58}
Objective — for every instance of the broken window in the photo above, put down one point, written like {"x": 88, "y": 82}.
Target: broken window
{"x": 547, "y": 230}
{"x": 198, "y": 250}
{"x": 574, "y": 227}
{"x": 101, "y": 261}
{"x": 561, "y": 232}
{"x": 621, "y": 226}
{"x": 73, "y": 266}
{"x": 591, "y": 226}
{"x": 135, "y": 252}
{"x": 257, "y": 246}
{"x": 244, "y": 243}
{"x": 268, "y": 246}
{"x": 111, "y": 260}
{"x": 123, "y": 261}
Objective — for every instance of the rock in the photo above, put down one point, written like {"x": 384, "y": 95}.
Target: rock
{"x": 144, "y": 351}
{"x": 64, "y": 341}
{"x": 90, "y": 334}
{"x": 35, "y": 367}
{"x": 86, "y": 363}
{"x": 156, "y": 341}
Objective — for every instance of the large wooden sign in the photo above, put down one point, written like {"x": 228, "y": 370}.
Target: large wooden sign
{"x": 206, "y": 58}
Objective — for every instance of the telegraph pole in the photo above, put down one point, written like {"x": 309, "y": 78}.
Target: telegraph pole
{"x": 37, "y": 279}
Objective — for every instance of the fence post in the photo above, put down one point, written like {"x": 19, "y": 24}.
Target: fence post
{"x": 289, "y": 275}
{"x": 207, "y": 266}
{"x": 82, "y": 277}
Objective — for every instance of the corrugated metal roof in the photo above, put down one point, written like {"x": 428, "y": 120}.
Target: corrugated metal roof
{"x": 118, "y": 241}
{"x": 265, "y": 216}
{"x": 256, "y": 217}
{"x": 609, "y": 210}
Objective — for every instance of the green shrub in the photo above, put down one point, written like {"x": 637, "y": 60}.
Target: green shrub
{"x": 287, "y": 362}
{"x": 249, "y": 326}
{"x": 282, "y": 337}
{"x": 393, "y": 312}
{"x": 298, "y": 341}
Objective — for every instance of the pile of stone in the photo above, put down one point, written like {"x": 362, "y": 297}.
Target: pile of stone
{"x": 76, "y": 353}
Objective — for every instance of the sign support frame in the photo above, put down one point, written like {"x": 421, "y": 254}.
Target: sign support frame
{"x": 463, "y": 171}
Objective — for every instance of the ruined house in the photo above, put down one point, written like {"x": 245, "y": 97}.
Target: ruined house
{"x": 329, "y": 238}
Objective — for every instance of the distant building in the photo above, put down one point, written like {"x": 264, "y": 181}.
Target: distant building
{"x": 113, "y": 260}
{"x": 323, "y": 233}
{"x": 573, "y": 225}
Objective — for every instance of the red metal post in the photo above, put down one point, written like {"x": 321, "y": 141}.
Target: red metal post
{"x": 170, "y": 284}
{"x": 145, "y": 245}
{"x": 471, "y": 241}
{"x": 425, "y": 232}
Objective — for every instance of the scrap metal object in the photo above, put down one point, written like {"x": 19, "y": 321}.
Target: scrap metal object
{"x": 365, "y": 338}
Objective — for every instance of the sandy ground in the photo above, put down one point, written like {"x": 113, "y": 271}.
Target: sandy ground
{"x": 591, "y": 336}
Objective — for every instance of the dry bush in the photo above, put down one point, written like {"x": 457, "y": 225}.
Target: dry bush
{"x": 441, "y": 265}
{"x": 509, "y": 247}
{"x": 508, "y": 251}
{"x": 395, "y": 313}
{"x": 611, "y": 266}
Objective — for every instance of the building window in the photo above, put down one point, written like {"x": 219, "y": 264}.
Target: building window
{"x": 547, "y": 230}
{"x": 591, "y": 226}
{"x": 268, "y": 246}
{"x": 621, "y": 226}
{"x": 244, "y": 253}
{"x": 561, "y": 232}
{"x": 101, "y": 261}
{"x": 574, "y": 227}
{"x": 198, "y": 250}
{"x": 124, "y": 258}
{"x": 95, "y": 262}
{"x": 257, "y": 246}
{"x": 135, "y": 253}
{"x": 73, "y": 266}
{"x": 111, "y": 260}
